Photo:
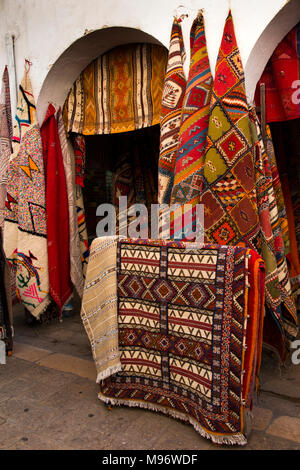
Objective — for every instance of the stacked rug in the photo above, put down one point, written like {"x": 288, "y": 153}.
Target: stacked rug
{"x": 177, "y": 329}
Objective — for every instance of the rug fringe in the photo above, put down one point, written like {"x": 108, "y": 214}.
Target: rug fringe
{"x": 108, "y": 372}
{"x": 234, "y": 439}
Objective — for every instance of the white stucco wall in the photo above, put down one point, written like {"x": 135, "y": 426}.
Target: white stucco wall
{"x": 45, "y": 29}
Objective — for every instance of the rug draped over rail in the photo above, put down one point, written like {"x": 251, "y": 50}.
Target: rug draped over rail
{"x": 119, "y": 91}
{"x": 182, "y": 327}
{"x": 25, "y": 229}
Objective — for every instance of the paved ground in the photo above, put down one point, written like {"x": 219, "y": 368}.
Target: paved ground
{"x": 48, "y": 400}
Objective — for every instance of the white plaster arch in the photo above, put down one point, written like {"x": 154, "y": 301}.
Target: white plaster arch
{"x": 264, "y": 47}
{"x": 77, "y": 56}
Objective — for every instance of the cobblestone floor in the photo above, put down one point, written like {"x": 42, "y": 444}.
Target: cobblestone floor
{"x": 48, "y": 400}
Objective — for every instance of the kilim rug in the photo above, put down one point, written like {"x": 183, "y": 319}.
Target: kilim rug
{"x": 172, "y": 99}
{"x": 58, "y": 238}
{"x": 99, "y": 306}
{"x": 25, "y": 232}
{"x": 74, "y": 243}
{"x": 189, "y": 328}
{"x": 82, "y": 230}
{"x": 80, "y": 157}
{"x": 194, "y": 120}
{"x": 120, "y": 91}
{"x": 236, "y": 190}
{"x": 5, "y": 140}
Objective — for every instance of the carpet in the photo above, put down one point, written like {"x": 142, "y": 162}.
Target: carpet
{"x": 119, "y": 91}
{"x": 171, "y": 105}
{"x": 99, "y": 306}
{"x": 58, "y": 237}
{"x": 5, "y": 140}
{"x": 74, "y": 243}
{"x": 25, "y": 229}
{"x": 238, "y": 195}
{"x": 189, "y": 330}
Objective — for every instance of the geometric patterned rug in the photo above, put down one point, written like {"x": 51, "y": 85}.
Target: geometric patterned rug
{"x": 190, "y": 324}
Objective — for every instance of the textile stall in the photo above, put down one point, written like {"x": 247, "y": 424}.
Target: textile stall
{"x": 176, "y": 327}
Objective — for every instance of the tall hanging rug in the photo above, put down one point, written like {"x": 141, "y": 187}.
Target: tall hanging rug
{"x": 236, "y": 189}
{"x": 193, "y": 129}
{"x": 5, "y": 140}
{"x": 172, "y": 99}
{"x": 25, "y": 229}
{"x": 58, "y": 237}
{"x": 179, "y": 331}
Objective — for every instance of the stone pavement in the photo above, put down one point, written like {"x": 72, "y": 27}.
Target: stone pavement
{"x": 48, "y": 400}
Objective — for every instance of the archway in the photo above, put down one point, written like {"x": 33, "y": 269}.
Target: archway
{"x": 78, "y": 55}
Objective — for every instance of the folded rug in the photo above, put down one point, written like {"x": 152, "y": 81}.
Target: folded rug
{"x": 25, "y": 229}
{"x": 187, "y": 329}
{"x": 99, "y": 306}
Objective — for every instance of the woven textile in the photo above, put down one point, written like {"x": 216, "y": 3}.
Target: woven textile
{"x": 83, "y": 236}
{"x": 58, "y": 238}
{"x": 25, "y": 232}
{"x": 5, "y": 140}
{"x": 281, "y": 78}
{"x": 172, "y": 99}
{"x": 238, "y": 195}
{"x": 119, "y": 91}
{"x": 99, "y": 306}
{"x": 186, "y": 345}
{"x": 74, "y": 243}
{"x": 80, "y": 157}
{"x": 194, "y": 121}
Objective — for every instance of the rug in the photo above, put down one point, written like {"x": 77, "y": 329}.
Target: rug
{"x": 82, "y": 230}
{"x": 25, "y": 229}
{"x": 5, "y": 140}
{"x": 237, "y": 192}
{"x": 189, "y": 328}
{"x": 194, "y": 120}
{"x": 172, "y": 100}
{"x": 74, "y": 242}
{"x": 58, "y": 238}
{"x": 119, "y": 91}
{"x": 80, "y": 158}
{"x": 99, "y": 306}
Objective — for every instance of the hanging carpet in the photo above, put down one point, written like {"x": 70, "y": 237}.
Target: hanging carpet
{"x": 119, "y": 91}
{"x": 25, "y": 229}
{"x": 57, "y": 212}
{"x": 74, "y": 243}
{"x": 172, "y": 99}
{"x": 182, "y": 328}
{"x": 5, "y": 140}
{"x": 237, "y": 190}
